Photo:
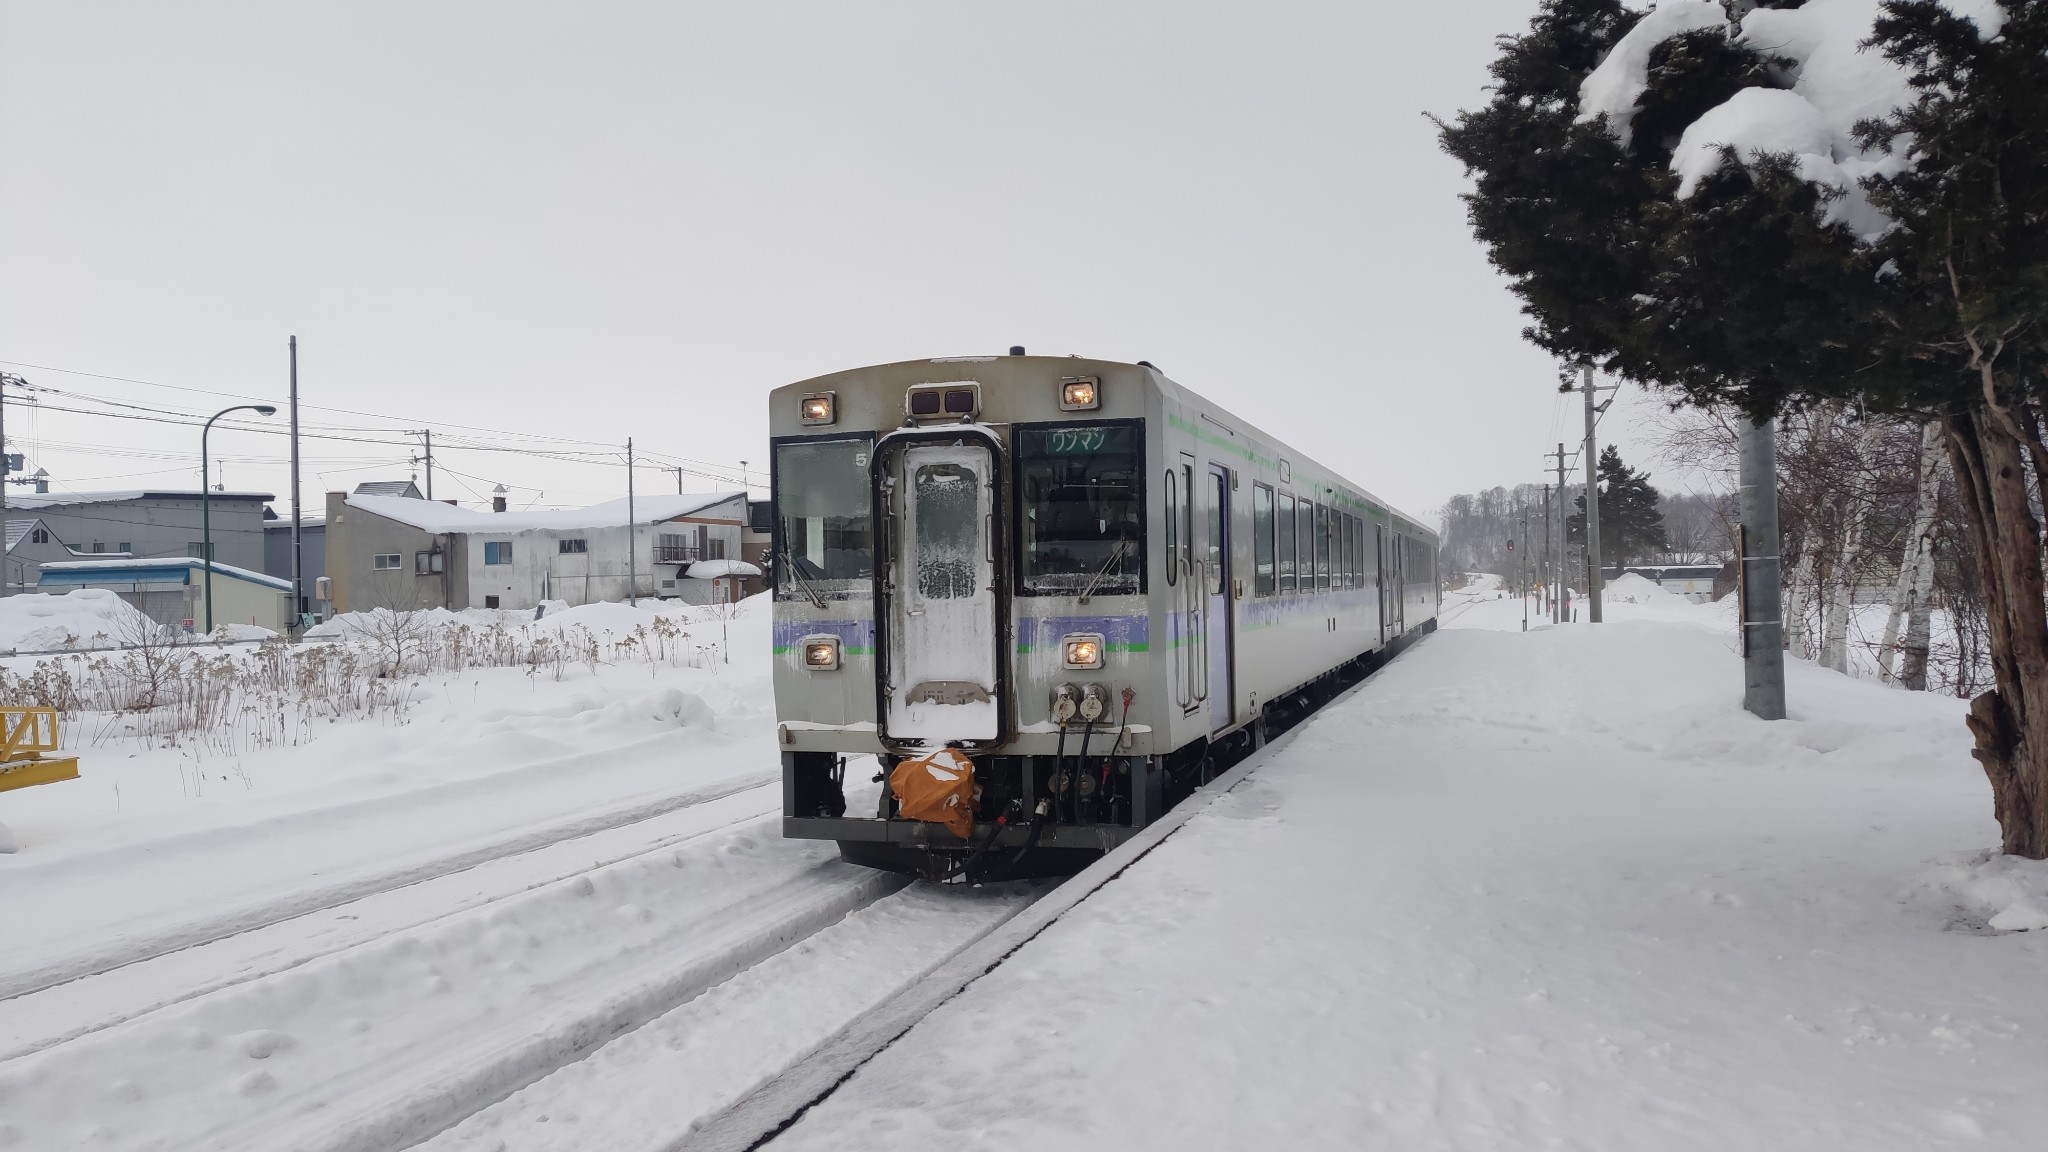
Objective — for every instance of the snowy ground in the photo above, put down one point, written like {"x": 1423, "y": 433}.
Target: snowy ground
{"x": 1525, "y": 891}
{"x": 1550, "y": 889}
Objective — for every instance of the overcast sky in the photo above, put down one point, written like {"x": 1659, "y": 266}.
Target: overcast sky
{"x": 553, "y": 226}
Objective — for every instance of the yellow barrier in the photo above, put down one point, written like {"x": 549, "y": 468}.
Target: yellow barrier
{"x": 25, "y": 735}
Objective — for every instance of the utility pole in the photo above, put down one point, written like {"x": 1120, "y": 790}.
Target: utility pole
{"x": 298, "y": 546}
{"x": 5, "y": 574}
{"x": 632, "y": 532}
{"x": 1561, "y": 610}
{"x": 1549, "y": 587}
{"x": 1525, "y": 567}
{"x": 678, "y": 470}
{"x": 1757, "y": 574}
{"x": 428, "y": 434}
{"x": 1593, "y": 577}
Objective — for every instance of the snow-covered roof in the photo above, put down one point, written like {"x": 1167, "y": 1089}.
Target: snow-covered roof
{"x": 144, "y": 563}
{"x": 713, "y": 569}
{"x": 16, "y": 529}
{"x": 404, "y": 488}
{"x": 59, "y": 499}
{"x": 432, "y": 516}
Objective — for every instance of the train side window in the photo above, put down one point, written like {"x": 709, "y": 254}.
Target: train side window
{"x": 1285, "y": 561}
{"x": 1262, "y": 540}
{"x": 1358, "y": 551}
{"x": 1172, "y": 526}
{"x": 1344, "y": 538}
{"x": 1322, "y": 547}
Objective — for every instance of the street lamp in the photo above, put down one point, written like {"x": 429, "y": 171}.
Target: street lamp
{"x": 206, "y": 498}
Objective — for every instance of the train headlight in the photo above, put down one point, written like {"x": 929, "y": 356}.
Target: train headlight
{"x": 821, "y": 653}
{"x": 820, "y": 408}
{"x": 1083, "y": 651}
{"x": 1081, "y": 395}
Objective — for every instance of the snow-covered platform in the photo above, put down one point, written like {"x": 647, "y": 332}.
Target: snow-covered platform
{"x": 1535, "y": 890}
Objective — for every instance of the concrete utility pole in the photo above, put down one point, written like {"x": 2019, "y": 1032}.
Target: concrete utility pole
{"x": 1525, "y": 568}
{"x": 1757, "y": 575}
{"x": 1549, "y": 586}
{"x": 1561, "y": 607}
{"x": 6, "y": 577}
{"x": 632, "y": 534}
{"x": 1593, "y": 577}
{"x": 427, "y": 434}
{"x": 298, "y": 548}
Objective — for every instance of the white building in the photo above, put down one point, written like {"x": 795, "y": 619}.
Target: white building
{"x": 399, "y": 552}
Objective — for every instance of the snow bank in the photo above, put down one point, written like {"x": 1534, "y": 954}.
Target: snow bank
{"x": 2011, "y": 894}
{"x": 81, "y": 618}
{"x": 1634, "y": 588}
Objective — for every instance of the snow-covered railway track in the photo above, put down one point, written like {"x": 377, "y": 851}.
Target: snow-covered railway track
{"x": 392, "y": 1040}
{"x": 35, "y": 1020}
{"x": 154, "y": 940}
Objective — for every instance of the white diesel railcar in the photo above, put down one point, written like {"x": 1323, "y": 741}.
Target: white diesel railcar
{"x": 1094, "y": 583}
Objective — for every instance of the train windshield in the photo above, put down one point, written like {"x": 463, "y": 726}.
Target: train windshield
{"x": 824, "y": 520}
{"x": 1081, "y": 509}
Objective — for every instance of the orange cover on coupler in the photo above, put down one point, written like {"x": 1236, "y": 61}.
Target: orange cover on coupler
{"x": 938, "y": 788}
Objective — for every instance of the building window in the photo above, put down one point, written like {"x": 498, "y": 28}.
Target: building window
{"x": 124, "y": 546}
{"x": 385, "y": 562}
{"x": 98, "y": 547}
{"x": 718, "y": 548}
{"x": 572, "y": 547}
{"x": 490, "y": 601}
{"x": 39, "y": 536}
{"x": 428, "y": 563}
{"x": 670, "y": 549}
{"x": 497, "y": 552}
{"x": 194, "y": 550}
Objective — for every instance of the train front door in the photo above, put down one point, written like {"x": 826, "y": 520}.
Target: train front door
{"x": 1216, "y": 594}
{"x": 941, "y": 592}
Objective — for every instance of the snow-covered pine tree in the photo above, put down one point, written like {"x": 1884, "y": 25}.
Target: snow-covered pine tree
{"x": 1653, "y": 227}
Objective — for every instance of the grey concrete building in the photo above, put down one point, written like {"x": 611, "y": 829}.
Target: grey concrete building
{"x": 277, "y": 558}
{"x": 143, "y": 523}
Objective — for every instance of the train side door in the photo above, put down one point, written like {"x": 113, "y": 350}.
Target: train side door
{"x": 1386, "y": 580}
{"x": 1185, "y": 617}
{"x": 942, "y": 603}
{"x": 1216, "y": 589}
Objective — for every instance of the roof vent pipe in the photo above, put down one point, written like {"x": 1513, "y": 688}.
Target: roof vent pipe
{"x": 498, "y": 498}
{"x": 1016, "y": 349}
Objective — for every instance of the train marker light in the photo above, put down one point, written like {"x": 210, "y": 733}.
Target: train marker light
{"x": 818, "y": 408}
{"x": 1080, "y": 395}
{"x": 1083, "y": 651}
{"x": 821, "y": 653}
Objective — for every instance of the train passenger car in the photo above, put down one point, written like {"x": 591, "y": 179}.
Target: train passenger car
{"x": 1093, "y": 584}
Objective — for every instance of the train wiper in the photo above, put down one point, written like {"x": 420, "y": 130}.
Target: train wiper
{"x": 802, "y": 583}
{"x": 1115, "y": 555}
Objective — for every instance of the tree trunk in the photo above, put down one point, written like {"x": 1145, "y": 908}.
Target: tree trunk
{"x": 1919, "y": 623}
{"x": 1795, "y": 615}
{"x": 1916, "y": 566}
{"x": 2010, "y": 722}
{"x": 1834, "y": 649}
